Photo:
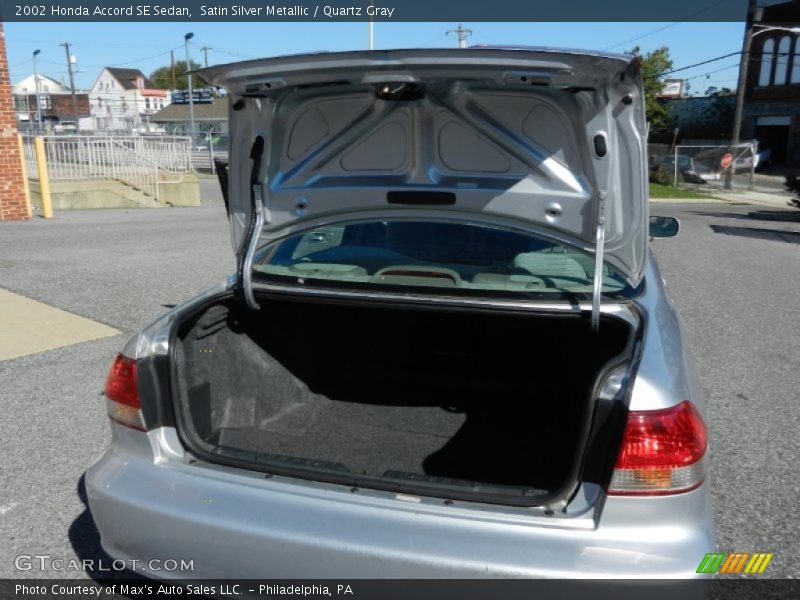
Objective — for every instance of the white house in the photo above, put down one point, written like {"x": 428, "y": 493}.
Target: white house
{"x": 124, "y": 99}
{"x": 47, "y": 85}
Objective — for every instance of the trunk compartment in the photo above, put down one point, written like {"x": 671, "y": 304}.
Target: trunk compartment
{"x": 491, "y": 406}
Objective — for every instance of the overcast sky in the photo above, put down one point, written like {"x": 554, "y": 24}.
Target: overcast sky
{"x": 147, "y": 46}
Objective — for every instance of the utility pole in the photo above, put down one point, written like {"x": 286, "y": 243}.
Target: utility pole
{"x": 172, "y": 64}
{"x": 462, "y": 34}
{"x": 205, "y": 50}
{"x": 72, "y": 86}
{"x": 744, "y": 65}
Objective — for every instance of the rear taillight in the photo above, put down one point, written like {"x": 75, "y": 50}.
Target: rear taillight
{"x": 662, "y": 452}
{"x": 122, "y": 394}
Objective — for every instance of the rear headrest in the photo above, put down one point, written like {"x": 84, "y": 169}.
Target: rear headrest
{"x": 545, "y": 264}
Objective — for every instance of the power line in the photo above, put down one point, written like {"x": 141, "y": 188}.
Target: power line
{"x": 146, "y": 57}
{"x": 660, "y": 29}
{"x": 644, "y": 35}
{"x": 712, "y": 72}
{"x": 234, "y": 54}
{"x": 705, "y": 62}
{"x": 430, "y": 41}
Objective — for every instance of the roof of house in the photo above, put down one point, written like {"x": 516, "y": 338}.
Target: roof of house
{"x": 178, "y": 113}
{"x": 127, "y": 77}
{"x": 42, "y": 78}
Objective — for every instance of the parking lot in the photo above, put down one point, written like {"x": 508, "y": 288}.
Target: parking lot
{"x": 733, "y": 271}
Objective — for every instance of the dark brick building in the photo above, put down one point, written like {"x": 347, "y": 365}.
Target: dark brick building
{"x": 772, "y": 93}
{"x": 56, "y": 107}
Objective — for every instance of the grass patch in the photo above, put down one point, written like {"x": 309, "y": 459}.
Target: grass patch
{"x": 659, "y": 190}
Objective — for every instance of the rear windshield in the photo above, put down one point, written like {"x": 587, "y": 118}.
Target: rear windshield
{"x": 424, "y": 254}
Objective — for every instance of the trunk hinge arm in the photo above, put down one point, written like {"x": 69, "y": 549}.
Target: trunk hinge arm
{"x": 260, "y": 214}
{"x": 256, "y": 224}
{"x": 597, "y": 284}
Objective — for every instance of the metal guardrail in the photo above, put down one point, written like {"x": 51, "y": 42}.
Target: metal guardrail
{"x": 142, "y": 162}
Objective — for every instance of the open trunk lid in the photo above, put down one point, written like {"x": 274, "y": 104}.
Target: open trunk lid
{"x": 552, "y": 141}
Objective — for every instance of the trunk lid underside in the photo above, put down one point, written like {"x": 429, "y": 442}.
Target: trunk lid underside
{"x": 552, "y": 141}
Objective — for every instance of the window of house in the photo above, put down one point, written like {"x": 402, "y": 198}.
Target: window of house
{"x": 767, "y": 51}
{"x": 795, "y": 77}
{"x": 147, "y": 102}
{"x": 782, "y": 64}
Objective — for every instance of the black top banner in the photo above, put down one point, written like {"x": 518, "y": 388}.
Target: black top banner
{"x": 377, "y": 10}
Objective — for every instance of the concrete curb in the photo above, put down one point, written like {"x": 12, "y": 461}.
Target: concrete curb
{"x": 689, "y": 200}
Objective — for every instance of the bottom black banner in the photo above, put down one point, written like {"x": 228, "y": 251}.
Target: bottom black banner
{"x": 389, "y": 589}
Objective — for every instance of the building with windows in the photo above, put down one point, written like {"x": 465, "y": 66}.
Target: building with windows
{"x": 55, "y": 100}
{"x": 771, "y": 112}
{"x": 209, "y": 118}
{"x": 124, "y": 99}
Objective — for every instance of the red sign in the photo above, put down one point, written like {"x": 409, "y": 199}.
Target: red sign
{"x": 726, "y": 161}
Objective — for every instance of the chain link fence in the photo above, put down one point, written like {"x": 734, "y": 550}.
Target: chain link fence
{"x": 705, "y": 167}
{"x": 208, "y": 147}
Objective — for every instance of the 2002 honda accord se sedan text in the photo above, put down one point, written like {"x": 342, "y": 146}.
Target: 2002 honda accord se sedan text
{"x": 447, "y": 351}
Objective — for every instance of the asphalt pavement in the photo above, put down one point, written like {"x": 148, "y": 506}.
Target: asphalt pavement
{"x": 733, "y": 271}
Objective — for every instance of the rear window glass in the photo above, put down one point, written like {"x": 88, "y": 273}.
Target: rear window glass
{"x": 424, "y": 254}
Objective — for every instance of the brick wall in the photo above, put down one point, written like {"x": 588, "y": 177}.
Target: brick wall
{"x": 60, "y": 106}
{"x": 12, "y": 195}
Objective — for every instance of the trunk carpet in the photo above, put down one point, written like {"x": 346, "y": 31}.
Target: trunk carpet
{"x": 490, "y": 398}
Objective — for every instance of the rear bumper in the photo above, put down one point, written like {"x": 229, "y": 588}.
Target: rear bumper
{"x": 234, "y": 524}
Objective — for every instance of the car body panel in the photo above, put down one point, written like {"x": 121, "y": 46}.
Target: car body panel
{"x": 235, "y": 524}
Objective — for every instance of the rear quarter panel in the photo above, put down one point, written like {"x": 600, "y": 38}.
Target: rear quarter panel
{"x": 667, "y": 374}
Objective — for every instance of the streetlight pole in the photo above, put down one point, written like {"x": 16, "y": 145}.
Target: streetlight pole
{"x": 371, "y": 31}
{"x": 36, "y": 83}
{"x": 186, "y": 39}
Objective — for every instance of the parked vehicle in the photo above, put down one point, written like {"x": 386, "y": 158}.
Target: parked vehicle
{"x": 762, "y": 158}
{"x": 64, "y": 127}
{"x": 688, "y": 170}
{"x": 447, "y": 350}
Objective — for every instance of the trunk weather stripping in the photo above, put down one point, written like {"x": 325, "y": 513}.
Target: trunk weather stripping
{"x": 259, "y": 214}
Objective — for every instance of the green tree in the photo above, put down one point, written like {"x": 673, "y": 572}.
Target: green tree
{"x": 162, "y": 77}
{"x": 654, "y": 65}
